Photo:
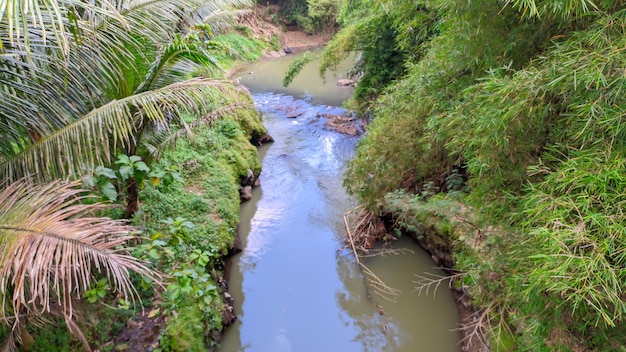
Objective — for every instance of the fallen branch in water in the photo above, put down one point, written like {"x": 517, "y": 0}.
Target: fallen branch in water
{"x": 383, "y": 290}
{"x": 350, "y": 239}
{"x": 366, "y": 232}
{"x": 428, "y": 280}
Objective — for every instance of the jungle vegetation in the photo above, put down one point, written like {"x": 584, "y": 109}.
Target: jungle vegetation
{"x": 498, "y": 127}
{"x": 95, "y": 97}
{"x": 310, "y": 16}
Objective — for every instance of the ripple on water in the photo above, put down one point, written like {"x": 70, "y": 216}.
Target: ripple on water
{"x": 297, "y": 289}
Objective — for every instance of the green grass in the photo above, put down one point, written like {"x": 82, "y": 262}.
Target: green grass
{"x": 238, "y": 48}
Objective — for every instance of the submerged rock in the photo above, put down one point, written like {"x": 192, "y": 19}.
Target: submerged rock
{"x": 344, "y": 82}
{"x": 245, "y": 193}
{"x": 249, "y": 179}
{"x": 260, "y": 139}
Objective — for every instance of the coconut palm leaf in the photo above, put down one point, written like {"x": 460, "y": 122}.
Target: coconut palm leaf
{"x": 95, "y": 138}
{"x": 44, "y": 92}
{"x": 157, "y": 142}
{"x": 222, "y": 19}
{"x": 180, "y": 48}
{"x": 52, "y": 248}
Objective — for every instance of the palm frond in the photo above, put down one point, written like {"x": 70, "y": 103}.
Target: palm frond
{"x": 220, "y": 20}
{"x": 52, "y": 248}
{"x": 95, "y": 138}
{"x": 159, "y": 141}
{"x": 180, "y": 48}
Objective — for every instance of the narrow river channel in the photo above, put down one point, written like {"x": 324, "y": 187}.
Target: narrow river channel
{"x": 296, "y": 288}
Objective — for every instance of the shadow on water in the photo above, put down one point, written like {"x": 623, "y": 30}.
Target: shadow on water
{"x": 296, "y": 288}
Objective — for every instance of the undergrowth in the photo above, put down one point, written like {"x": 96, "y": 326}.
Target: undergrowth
{"x": 192, "y": 224}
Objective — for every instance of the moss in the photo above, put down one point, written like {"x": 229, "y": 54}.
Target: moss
{"x": 185, "y": 332}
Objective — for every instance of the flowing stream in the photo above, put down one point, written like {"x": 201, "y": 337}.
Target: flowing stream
{"x": 297, "y": 289}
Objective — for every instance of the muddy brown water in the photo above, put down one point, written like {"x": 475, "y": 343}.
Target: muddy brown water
{"x": 297, "y": 289}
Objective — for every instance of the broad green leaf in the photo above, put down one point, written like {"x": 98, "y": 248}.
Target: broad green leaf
{"x": 126, "y": 172}
{"x": 109, "y": 191}
{"x": 141, "y": 166}
{"x": 105, "y": 171}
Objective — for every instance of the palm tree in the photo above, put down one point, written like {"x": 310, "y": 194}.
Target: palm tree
{"x": 65, "y": 112}
{"x": 95, "y": 81}
{"x": 82, "y": 82}
{"x": 52, "y": 249}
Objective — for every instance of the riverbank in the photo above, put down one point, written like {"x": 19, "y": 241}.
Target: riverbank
{"x": 192, "y": 225}
{"x": 287, "y": 39}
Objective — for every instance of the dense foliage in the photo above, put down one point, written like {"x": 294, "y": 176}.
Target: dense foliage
{"x": 515, "y": 112}
{"x": 192, "y": 225}
{"x": 383, "y": 38}
{"x": 308, "y": 15}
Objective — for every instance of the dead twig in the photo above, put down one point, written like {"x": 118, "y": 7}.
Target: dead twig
{"x": 432, "y": 281}
{"x": 383, "y": 252}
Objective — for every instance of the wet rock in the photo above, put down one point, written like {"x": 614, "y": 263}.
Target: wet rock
{"x": 260, "y": 139}
{"x": 293, "y": 115}
{"x": 141, "y": 333}
{"x": 345, "y": 82}
{"x": 341, "y": 124}
{"x": 245, "y": 193}
{"x": 287, "y": 50}
{"x": 237, "y": 247}
{"x": 249, "y": 179}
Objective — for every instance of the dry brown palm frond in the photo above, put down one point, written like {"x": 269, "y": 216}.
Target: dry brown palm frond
{"x": 53, "y": 247}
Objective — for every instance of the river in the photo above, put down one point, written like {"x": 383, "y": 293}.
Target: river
{"x": 296, "y": 288}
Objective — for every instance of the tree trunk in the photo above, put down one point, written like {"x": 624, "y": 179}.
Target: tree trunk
{"x": 132, "y": 198}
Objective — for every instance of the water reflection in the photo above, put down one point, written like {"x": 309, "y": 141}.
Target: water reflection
{"x": 298, "y": 290}
{"x": 296, "y": 287}
{"x": 267, "y": 76}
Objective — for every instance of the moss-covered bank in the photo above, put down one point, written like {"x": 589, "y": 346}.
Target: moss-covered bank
{"x": 193, "y": 225}
{"x": 188, "y": 226}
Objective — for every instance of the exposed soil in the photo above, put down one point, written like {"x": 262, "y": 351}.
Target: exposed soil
{"x": 291, "y": 39}
{"x": 141, "y": 333}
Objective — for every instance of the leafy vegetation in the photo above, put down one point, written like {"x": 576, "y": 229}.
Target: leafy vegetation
{"x": 513, "y": 112}
{"x": 310, "y": 16}
{"x": 191, "y": 247}
{"x": 98, "y": 90}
